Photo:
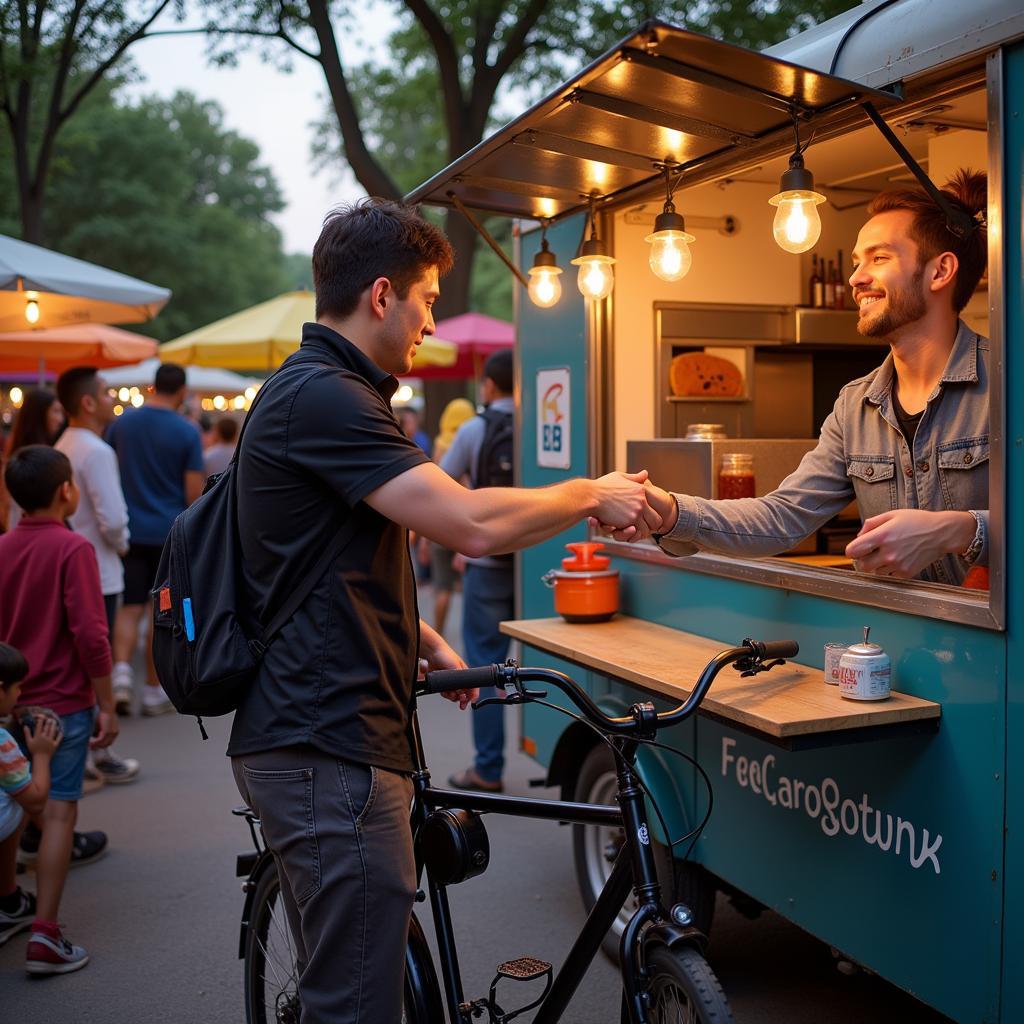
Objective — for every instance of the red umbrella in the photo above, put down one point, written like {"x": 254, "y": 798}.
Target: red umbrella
{"x": 477, "y": 336}
{"x": 60, "y": 348}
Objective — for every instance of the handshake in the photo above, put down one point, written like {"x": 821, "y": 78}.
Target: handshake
{"x": 627, "y": 506}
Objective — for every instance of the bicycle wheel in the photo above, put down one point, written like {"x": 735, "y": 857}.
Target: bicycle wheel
{"x": 271, "y": 977}
{"x": 684, "y": 990}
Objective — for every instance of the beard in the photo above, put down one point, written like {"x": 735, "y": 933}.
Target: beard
{"x": 902, "y": 306}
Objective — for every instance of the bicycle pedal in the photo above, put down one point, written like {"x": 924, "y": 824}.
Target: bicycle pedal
{"x": 525, "y": 968}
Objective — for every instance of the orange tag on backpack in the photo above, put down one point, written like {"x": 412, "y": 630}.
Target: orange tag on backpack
{"x": 165, "y": 599}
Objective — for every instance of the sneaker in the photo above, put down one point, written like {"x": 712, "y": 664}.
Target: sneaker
{"x": 17, "y": 920}
{"x": 91, "y": 780}
{"x": 471, "y": 779}
{"x": 48, "y": 955}
{"x": 111, "y": 768}
{"x": 122, "y": 679}
{"x": 85, "y": 847}
{"x": 155, "y": 701}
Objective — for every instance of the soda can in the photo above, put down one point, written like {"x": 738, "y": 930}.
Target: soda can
{"x": 865, "y": 671}
{"x": 833, "y": 652}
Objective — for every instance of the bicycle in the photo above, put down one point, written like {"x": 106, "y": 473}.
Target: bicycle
{"x": 665, "y": 975}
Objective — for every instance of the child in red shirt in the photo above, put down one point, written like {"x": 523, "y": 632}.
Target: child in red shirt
{"x": 53, "y": 613}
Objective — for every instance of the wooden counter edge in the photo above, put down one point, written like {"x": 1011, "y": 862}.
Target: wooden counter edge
{"x": 900, "y": 707}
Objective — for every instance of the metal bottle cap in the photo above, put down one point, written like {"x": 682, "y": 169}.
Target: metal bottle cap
{"x": 866, "y": 648}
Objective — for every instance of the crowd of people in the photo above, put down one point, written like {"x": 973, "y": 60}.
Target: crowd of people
{"x": 87, "y": 499}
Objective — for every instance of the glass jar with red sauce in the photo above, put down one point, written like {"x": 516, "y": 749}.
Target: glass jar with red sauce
{"x": 736, "y": 477}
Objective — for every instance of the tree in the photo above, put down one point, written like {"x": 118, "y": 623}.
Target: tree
{"x": 163, "y": 191}
{"x": 450, "y": 58}
{"x": 53, "y": 55}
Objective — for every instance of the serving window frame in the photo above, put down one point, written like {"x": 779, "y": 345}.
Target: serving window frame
{"x": 986, "y": 610}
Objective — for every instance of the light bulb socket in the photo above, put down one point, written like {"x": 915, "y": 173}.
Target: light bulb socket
{"x": 592, "y": 247}
{"x": 669, "y": 220}
{"x": 544, "y": 258}
{"x": 797, "y": 178}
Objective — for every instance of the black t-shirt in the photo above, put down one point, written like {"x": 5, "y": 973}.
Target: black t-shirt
{"x": 908, "y": 423}
{"x": 340, "y": 673}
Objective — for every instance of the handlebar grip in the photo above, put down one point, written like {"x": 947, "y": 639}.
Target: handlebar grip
{"x": 780, "y": 649}
{"x": 460, "y": 678}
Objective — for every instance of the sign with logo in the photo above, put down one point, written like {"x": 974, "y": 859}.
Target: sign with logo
{"x": 553, "y": 418}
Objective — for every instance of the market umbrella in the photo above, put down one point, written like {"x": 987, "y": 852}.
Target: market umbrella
{"x": 60, "y": 348}
{"x": 205, "y": 380}
{"x": 42, "y": 288}
{"x": 477, "y": 336}
{"x": 263, "y": 336}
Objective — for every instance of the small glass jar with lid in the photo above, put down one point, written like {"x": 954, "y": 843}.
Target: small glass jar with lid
{"x": 736, "y": 476}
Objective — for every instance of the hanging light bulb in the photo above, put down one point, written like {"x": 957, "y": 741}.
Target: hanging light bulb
{"x": 797, "y": 226}
{"x": 670, "y": 257}
{"x": 545, "y": 289}
{"x": 596, "y": 277}
{"x": 32, "y": 309}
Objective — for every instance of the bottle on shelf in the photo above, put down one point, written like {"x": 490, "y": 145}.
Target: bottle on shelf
{"x": 840, "y": 282}
{"x": 813, "y": 278}
{"x": 830, "y": 286}
{"x": 817, "y": 285}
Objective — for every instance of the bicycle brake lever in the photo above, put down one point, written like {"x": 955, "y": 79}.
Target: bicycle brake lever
{"x": 515, "y": 697}
{"x": 751, "y": 667}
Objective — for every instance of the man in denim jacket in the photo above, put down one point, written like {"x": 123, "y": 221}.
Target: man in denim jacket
{"x": 911, "y": 439}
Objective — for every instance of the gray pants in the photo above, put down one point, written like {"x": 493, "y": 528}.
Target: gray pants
{"x": 340, "y": 835}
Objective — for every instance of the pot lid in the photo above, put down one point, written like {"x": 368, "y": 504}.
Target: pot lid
{"x": 866, "y": 648}
{"x": 585, "y": 558}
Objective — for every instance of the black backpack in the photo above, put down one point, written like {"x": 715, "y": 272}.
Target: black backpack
{"x": 495, "y": 465}
{"x": 207, "y": 643}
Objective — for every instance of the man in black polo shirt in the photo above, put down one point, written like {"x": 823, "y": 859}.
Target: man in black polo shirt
{"x": 320, "y": 746}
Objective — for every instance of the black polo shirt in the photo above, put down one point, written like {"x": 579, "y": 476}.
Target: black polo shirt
{"x": 340, "y": 673}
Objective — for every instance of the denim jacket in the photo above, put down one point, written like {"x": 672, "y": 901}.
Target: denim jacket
{"x": 862, "y": 453}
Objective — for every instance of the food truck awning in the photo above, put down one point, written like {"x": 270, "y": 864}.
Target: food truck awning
{"x": 663, "y": 93}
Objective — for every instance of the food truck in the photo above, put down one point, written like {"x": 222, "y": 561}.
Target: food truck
{"x": 891, "y": 830}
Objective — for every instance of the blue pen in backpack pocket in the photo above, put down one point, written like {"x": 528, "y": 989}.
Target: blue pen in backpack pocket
{"x": 190, "y": 623}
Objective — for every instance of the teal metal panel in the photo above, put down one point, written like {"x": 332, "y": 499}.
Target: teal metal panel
{"x": 877, "y": 906}
{"x": 1013, "y": 275}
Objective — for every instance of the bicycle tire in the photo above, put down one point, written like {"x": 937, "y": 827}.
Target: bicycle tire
{"x": 271, "y": 997}
{"x": 683, "y": 987}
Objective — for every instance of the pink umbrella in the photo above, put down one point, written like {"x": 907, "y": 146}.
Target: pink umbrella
{"x": 60, "y": 348}
{"x": 477, "y": 336}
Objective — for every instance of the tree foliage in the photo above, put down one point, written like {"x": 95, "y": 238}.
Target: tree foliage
{"x": 163, "y": 191}
{"x": 53, "y": 54}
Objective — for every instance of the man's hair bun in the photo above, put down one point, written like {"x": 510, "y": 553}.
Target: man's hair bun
{"x": 970, "y": 190}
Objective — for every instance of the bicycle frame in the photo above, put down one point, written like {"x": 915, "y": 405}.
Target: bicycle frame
{"x": 634, "y": 868}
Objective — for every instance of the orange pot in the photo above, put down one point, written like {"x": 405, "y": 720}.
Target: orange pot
{"x": 586, "y": 590}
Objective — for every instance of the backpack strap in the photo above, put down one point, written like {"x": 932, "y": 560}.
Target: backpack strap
{"x": 334, "y": 548}
{"x": 338, "y": 544}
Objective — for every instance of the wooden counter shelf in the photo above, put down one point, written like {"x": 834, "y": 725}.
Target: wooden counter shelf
{"x": 789, "y": 706}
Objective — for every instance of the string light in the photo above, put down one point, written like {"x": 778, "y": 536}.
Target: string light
{"x": 596, "y": 277}
{"x": 32, "y": 310}
{"x": 670, "y": 257}
{"x": 797, "y": 226}
{"x": 545, "y": 289}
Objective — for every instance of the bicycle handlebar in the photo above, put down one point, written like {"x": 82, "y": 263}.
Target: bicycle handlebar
{"x": 750, "y": 656}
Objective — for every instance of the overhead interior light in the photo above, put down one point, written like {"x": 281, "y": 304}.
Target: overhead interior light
{"x": 797, "y": 226}
{"x": 670, "y": 257}
{"x": 596, "y": 277}
{"x": 544, "y": 289}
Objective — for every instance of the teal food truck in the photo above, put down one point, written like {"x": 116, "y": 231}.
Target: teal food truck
{"x": 892, "y": 830}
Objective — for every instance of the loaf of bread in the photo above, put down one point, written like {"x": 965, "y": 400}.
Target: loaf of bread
{"x": 698, "y": 375}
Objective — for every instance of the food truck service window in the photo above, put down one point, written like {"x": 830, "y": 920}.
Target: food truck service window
{"x": 732, "y": 370}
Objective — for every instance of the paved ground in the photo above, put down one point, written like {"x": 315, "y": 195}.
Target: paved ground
{"x": 159, "y": 915}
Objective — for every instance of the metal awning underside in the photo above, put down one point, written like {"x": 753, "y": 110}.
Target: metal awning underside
{"x": 662, "y": 93}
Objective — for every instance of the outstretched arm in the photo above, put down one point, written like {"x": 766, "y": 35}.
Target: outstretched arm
{"x": 494, "y": 520}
